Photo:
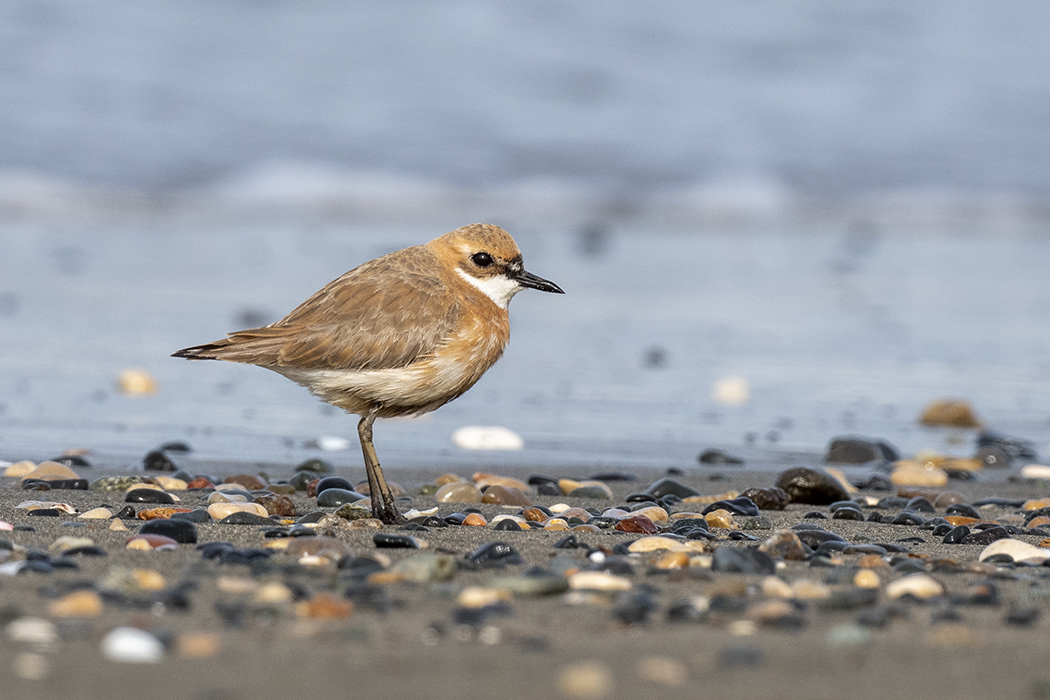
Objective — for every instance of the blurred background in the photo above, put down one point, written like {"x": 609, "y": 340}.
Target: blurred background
{"x": 775, "y": 223}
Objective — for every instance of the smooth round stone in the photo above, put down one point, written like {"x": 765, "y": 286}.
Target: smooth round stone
{"x": 483, "y": 481}
{"x": 115, "y": 483}
{"x": 182, "y": 531}
{"x": 636, "y": 523}
{"x": 539, "y": 583}
{"x": 66, "y": 542}
{"x": 920, "y": 586}
{"x": 495, "y": 554}
{"x": 655, "y": 513}
{"x": 852, "y": 450}
{"x": 228, "y": 497}
{"x": 301, "y": 479}
{"x": 96, "y": 514}
{"x": 906, "y": 518}
{"x": 721, "y": 519}
{"x": 950, "y": 413}
{"x": 218, "y": 511}
{"x": 595, "y": 490}
{"x": 143, "y": 495}
{"x": 599, "y": 581}
{"x": 667, "y": 485}
{"x": 150, "y": 540}
{"x": 986, "y": 536}
{"x": 159, "y": 461}
{"x": 352, "y": 511}
{"x": 197, "y": 515}
{"x": 277, "y": 505}
{"x": 82, "y": 603}
{"x": 920, "y": 504}
{"x": 742, "y": 560}
{"x": 51, "y": 470}
{"x": 132, "y": 645}
{"x": 392, "y": 540}
{"x": 847, "y": 513}
{"x": 458, "y": 492}
{"x": 505, "y": 496}
{"x": 335, "y": 496}
{"x": 963, "y": 509}
{"x": 737, "y": 506}
{"x": 1017, "y": 550}
{"x": 759, "y": 523}
{"x": 805, "y": 485}
{"x": 331, "y": 548}
{"x": 909, "y": 473}
{"x": 426, "y": 567}
{"x": 317, "y": 466}
{"x": 1036, "y": 471}
{"x": 248, "y": 481}
{"x": 786, "y": 545}
{"x": 653, "y": 543}
{"x": 333, "y": 482}
{"x": 245, "y": 518}
{"x": 773, "y": 498}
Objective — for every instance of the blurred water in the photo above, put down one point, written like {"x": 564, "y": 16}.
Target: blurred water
{"x": 680, "y": 112}
{"x": 836, "y": 334}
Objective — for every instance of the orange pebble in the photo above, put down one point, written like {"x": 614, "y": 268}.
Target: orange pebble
{"x": 475, "y": 519}
{"x": 960, "y": 520}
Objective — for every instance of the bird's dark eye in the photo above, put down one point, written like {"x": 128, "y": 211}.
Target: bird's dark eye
{"x": 481, "y": 259}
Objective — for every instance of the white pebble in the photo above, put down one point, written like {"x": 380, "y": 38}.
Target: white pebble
{"x": 333, "y": 443}
{"x": 921, "y": 586}
{"x": 132, "y": 645}
{"x": 32, "y": 630}
{"x": 477, "y": 437}
{"x": 1018, "y": 550}
{"x": 731, "y": 391}
{"x": 1035, "y": 471}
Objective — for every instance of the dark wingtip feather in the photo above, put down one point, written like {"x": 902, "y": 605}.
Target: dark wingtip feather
{"x": 197, "y": 352}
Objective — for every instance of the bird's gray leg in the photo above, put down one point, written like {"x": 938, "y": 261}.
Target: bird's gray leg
{"x": 382, "y": 500}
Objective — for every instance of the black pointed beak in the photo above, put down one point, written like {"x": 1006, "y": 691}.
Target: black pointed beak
{"x": 527, "y": 279}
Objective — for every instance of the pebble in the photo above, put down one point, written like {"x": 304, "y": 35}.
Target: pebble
{"x": 132, "y": 645}
{"x": 505, "y": 496}
{"x": 953, "y": 413}
{"x": 1036, "y": 471}
{"x": 742, "y": 560}
{"x": 83, "y": 603}
{"x": 805, "y": 485}
{"x": 148, "y": 495}
{"x": 538, "y": 583}
{"x": 914, "y": 473}
{"x": 334, "y": 496}
{"x": 784, "y": 544}
{"x": 1017, "y": 550}
{"x": 854, "y": 450}
{"x": 391, "y": 540}
{"x": 458, "y": 492}
{"x": 585, "y": 680}
{"x": 650, "y": 544}
{"x": 918, "y": 585}
{"x": 667, "y": 485}
{"x": 425, "y": 567}
{"x": 218, "y": 511}
{"x": 32, "y": 631}
{"x": 593, "y": 490}
{"x": 50, "y": 471}
{"x": 636, "y": 523}
{"x": 178, "y": 530}
{"x": 773, "y": 498}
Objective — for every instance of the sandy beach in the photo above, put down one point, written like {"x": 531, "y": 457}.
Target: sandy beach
{"x": 411, "y": 639}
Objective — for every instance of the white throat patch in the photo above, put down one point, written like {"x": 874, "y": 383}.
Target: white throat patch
{"x": 499, "y": 289}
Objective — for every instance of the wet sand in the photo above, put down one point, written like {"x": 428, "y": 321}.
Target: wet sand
{"x": 416, "y": 648}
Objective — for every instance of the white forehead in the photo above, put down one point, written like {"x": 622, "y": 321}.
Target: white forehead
{"x": 500, "y": 289}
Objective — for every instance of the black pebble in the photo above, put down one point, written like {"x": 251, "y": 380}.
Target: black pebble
{"x": 1022, "y": 617}
{"x": 508, "y": 524}
{"x": 46, "y": 513}
{"x": 741, "y": 560}
{"x": 548, "y": 488}
{"x": 333, "y": 496}
{"x": 197, "y": 515}
{"x": 717, "y": 457}
{"x": 986, "y": 536}
{"x": 907, "y": 518}
{"x": 182, "y": 531}
{"x": 148, "y": 496}
{"x": 667, "y": 485}
{"x": 158, "y": 461}
{"x": 737, "y": 506}
{"x": 245, "y": 518}
{"x": 125, "y": 513}
{"x": 334, "y": 482}
{"x": 388, "y": 539}
{"x": 920, "y": 505}
{"x": 495, "y": 554}
{"x": 847, "y": 514}
{"x": 956, "y": 535}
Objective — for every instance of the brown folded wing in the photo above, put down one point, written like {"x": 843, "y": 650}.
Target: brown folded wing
{"x": 386, "y": 313}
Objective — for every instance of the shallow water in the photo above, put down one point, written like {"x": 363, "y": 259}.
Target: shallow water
{"x": 835, "y": 332}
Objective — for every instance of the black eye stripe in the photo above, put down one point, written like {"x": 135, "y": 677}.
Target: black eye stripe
{"x": 481, "y": 259}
